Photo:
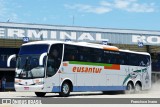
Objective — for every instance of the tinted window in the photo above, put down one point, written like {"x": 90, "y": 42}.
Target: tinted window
{"x": 133, "y": 59}
{"x": 70, "y": 53}
{"x": 139, "y": 60}
{"x": 87, "y": 54}
{"x": 143, "y": 60}
{"x": 96, "y": 55}
{"x": 54, "y": 59}
{"x": 33, "y": 49}
{"x": 124, "y": 58}
{"x": 84, "y": 54}
{"x": 112, "y": 57}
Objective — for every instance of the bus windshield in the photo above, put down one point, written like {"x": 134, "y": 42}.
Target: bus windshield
{"x": 28, "y": 62}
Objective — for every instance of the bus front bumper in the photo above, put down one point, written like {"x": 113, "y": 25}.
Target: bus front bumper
{"x": 29, "y": 88}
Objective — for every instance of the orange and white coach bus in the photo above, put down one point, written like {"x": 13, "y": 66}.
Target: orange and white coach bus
{"x": 64, "y": 67}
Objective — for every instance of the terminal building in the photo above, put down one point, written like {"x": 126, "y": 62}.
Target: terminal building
{"x": 13, "y": 35}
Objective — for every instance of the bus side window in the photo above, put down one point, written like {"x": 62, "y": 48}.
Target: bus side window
{"x": 71, "y": 57}
{"x": 54, "y": 59}
{"x": 106, "y": 57}
{"x": 98, "y": 59}
{"x": 97, "y": 55}
{"x": 84, "y": 54}
{"x": 133, "y": 59}
{"x": 81, "y": 57}
{"x": 124, "y": 58}
{"x": 143, "y": 60}
{"x": 70, "y": 53}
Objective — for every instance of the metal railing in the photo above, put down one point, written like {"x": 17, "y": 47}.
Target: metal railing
{"x": 9, "y": 85}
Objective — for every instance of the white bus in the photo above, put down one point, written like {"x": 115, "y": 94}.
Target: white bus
{"x": 64, "y": 67}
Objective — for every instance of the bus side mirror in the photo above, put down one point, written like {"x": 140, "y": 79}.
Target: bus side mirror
{"x": 9, "y": 59}
{"x": 42, "y": 57}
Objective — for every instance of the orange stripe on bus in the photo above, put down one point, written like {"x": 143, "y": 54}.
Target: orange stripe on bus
{"x": 18, "y": 80}
{"x": 111, "y": 48}
{"x": 65, "y": 64}
{"x": 113, "y": 67}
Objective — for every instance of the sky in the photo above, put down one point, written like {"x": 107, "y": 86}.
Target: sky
{"x": 121, "y": 14}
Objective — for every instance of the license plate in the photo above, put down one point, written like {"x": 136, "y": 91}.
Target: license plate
{"x": 26, "y": 88}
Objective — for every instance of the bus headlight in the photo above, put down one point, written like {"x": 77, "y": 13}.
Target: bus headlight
{"x": 39, "y": 83}
{"x": 17, "y": 82}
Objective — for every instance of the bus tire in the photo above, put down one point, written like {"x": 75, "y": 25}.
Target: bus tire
{"x": 130, "y": 88}
{"x": 40, "y": 94}
{"x": 65, "y": 89}
{"x": 138, "y": 88}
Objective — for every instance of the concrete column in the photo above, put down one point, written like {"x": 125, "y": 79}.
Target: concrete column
{"x": 148, "y": 49}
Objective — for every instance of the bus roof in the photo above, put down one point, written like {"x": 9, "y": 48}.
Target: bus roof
{"x": 86, "y": 44}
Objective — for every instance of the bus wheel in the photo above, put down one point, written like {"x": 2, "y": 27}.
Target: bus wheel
{"x": 65, "y": 90}
{"x": 130, "y": 88}
{"x": 138, "y": 88}
{"x": 40, "y": 94}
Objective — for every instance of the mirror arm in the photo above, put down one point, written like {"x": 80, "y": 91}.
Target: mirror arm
{"x": 42, "y": 57}
{"x": 9, "y": 59}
